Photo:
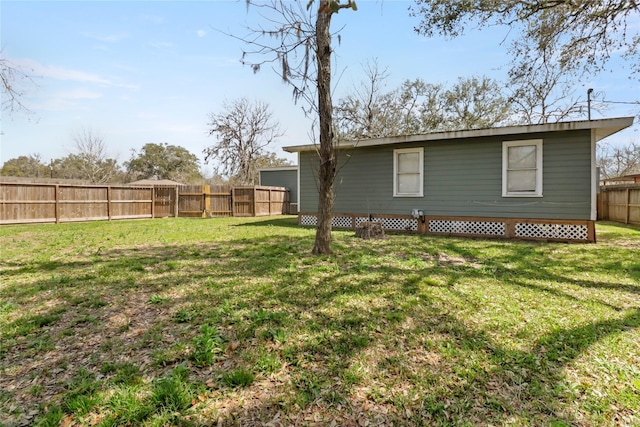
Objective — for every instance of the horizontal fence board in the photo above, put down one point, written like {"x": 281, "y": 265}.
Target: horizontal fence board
{"x": 28, "y": 221}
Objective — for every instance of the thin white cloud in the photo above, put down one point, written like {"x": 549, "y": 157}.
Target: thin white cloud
{"x": 161, "y": 45}
{"x": 61, "y": 73}
{"x": 79, "y": 94}
{"x": 71, "y": 100}
{"x": 111, "y": 38}
{"x": 201, "y": 33}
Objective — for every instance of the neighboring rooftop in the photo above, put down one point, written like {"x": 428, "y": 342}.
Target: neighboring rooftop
{"x": 155, "y": 182}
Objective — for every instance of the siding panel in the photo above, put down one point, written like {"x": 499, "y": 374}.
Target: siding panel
{"x": 462, "y": 178}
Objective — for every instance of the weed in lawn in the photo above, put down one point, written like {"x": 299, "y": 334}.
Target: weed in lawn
{"x": 123, "y": 373}
{"x": 7, "y": 307}
{"x": 81, "y": 395}
{"x": 308, "y": 387}
{"x": 206, "y": 346}
{"x": 165, "y": 357}
{"x": 172, "y": 265}
{"x": 127, "y": 407}
{"x": 277, "y": 335}
{"x": 184, "y": 315}
{"x": 173, "y": 393}
{"x": 268, "y": 363}
{"x": 52, "y": 418}
{"x": 352, "y": 376}
{"x": 36, "y": 390}
{"x": 240, "y": 377}
{"x": 157, "y": 299}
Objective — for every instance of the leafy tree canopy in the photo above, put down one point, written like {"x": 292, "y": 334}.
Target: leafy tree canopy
{"x": 163, "y": 161}
{"x": 585, "y": 33}
{"x": 29, "y": 166}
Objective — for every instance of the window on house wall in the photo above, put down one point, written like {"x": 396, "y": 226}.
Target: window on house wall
{"x": 522, "y": 168}
{"x": 408, "y": 172}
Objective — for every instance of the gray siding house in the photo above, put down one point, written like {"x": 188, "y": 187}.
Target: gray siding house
{"x": 525, "y": 182}
{"x": 284, "y": 176}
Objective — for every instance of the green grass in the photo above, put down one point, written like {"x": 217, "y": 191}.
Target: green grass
{"x": 233, "y": 322}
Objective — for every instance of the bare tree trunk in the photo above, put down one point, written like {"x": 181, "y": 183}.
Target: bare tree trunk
{"x": 327, "y": 169}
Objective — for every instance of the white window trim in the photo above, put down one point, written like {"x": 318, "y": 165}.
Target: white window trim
{"x": 419, "y": 150}
{"x": 505, "y": 162}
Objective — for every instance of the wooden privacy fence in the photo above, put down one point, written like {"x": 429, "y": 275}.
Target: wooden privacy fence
{"x": 35, "y": 202}
{"x": 25, "y": 203}
{"x": 260, "y": 201}
{"x": 620, "y": 203}
{"x": 205, "y": 200}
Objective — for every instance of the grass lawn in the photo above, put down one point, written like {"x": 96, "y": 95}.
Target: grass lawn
{"x": 191, "y": 322}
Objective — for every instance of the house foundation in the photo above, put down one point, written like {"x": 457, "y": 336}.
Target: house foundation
{"x": 579, "y": 231}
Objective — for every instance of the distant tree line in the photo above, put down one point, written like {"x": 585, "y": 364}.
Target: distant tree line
{"x": 90, "y": 162}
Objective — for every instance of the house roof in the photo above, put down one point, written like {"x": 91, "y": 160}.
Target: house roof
{"x": 602, "y": 128}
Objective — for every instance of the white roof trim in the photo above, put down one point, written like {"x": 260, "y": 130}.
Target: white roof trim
{"x": 279, "y": 168}
{"x": 601, "y": 127}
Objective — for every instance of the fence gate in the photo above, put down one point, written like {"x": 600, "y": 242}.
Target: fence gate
{"x": 165, "y": 202}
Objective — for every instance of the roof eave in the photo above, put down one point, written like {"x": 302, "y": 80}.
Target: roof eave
{"x": 602, "y": 128}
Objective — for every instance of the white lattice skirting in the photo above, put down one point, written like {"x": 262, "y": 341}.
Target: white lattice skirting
{"x": 514, "y": 228}
{"x": 396, "y": 224}
{"x": 467, "y": 227}
{"x": 523, "y": 230}
{"x": 552, "y": 231}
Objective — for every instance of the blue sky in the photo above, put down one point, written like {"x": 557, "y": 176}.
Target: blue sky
{"x": 152, "y": 71}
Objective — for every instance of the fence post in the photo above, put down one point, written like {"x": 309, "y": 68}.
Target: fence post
{"x": 177, "y": 205}
{"x": 270, "y": 200}
{"x": 108, "y": 202}
{"x": 627, "y": 210}
{"x": 153, "y": 202}
{"x": 255, "y": 202}
{"x": 57, "y": 202}
{"x": 206, "y": 196}
{"x": 233, "y": 201}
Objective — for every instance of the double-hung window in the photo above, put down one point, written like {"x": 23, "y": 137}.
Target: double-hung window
{"x": 408, "y": 172}
{"x": 522, "y": 168}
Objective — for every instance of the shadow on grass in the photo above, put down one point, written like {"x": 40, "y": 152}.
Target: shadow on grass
{"x": 286, "y": 221}
{"x": 329, "y": 316}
